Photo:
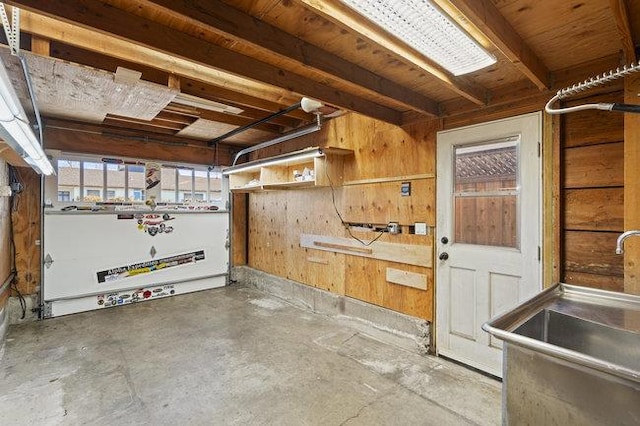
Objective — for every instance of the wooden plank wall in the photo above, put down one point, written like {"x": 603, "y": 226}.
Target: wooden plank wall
{"x": 381, "y": 151}
{"x": 593, "y": 195}
{"x": 632, "y": 187}
{"x": 5, "y": 239}
{"x": 26, "y": 228}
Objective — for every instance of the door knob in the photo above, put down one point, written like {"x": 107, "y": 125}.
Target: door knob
{"x": 444, "y": 240}
{"x": 443, "y": 256}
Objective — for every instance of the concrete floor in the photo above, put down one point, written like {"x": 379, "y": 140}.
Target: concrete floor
{"x": 230, "y": 356}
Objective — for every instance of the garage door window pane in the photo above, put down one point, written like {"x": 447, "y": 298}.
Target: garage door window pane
{"x": 115, "y": 182}
{"x": 215, "y": 186}
{"x": 185, "y": 184}
{"x": 136, "y": 183}
{"x": 93, "y": 174}
{"x": 68, "y": 180}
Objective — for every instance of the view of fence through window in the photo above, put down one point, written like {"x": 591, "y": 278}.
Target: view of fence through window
{"x": 96, "y": 181}
{"x": 486, "y": 194}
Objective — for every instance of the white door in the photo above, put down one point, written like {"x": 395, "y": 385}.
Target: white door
{"x": 488, "y": 233}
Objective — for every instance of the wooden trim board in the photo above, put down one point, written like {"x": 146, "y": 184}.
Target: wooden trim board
{"x": 406, "y": 278}
{"x": 410, "y": 254}
{"x": 319, "y": 260}
{"x": 389, "y": 179}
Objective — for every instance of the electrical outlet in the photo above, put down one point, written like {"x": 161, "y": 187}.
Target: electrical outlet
{"x": 420, "y": 228}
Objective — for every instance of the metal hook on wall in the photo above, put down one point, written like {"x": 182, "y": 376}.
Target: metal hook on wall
{"x": 590, "y": 83}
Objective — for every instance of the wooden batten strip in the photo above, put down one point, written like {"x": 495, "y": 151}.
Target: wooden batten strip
{"x": 343, "y": 247}
{"x": 314, "y": 259}
{"x": 406, "y": 278}
{"x": 410, "y": 254}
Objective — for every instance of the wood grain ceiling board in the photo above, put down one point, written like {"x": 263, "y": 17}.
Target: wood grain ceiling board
{"x": 196, "y": 51}
{"x": 564, "y": 33}
{"x": 206, "y": 130}
{"x": 633, "y": 9}
{"x": 343, "y": 42}
{"x": 85, "y": 38}
{"x": 314, "y": 65}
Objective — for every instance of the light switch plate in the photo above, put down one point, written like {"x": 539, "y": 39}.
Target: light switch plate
{"x": 420, "y": 228}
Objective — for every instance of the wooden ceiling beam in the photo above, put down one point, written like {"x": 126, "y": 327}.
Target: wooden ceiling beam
{"x": 94, "y": 41}
{"x": 621, "y": 16}
{"x": 351, "y": 21}
{"x": 148, "y": 127}
{"x": 485, "y": 16}
{"x": 71, "y": 136}
{"x": 235, "y": 120}
{"x": 224, "y": 20}
{"x": 218, "y": 117}
{"x": 179, "y": 47}
{"x": 156, "y": 122}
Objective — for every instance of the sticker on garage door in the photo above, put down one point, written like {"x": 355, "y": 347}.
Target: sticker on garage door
{"x": 135, "y": 269}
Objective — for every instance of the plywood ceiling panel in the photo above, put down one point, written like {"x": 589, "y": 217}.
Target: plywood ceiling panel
{"x": 588, "y": 30}
{"x": 202, "y": 129}
{"x": 69, "y": 90}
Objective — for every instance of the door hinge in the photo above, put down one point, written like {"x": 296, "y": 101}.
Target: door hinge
{"x": 539, "y": 254}
{"x": 539, "y": 149}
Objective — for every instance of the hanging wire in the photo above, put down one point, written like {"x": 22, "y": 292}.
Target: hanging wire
{"x": 14, "y": 176}
{"x": 346, "y": 224}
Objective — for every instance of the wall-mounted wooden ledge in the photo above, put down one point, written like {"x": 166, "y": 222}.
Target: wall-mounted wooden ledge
{"x": 410, "y": 254}
{"x": 277, "y": 186}
{"x": 389, "y": 179}
{"x": 406, "y": 278}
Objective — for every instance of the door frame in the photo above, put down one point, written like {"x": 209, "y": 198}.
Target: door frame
{"x": 438, "y": 247}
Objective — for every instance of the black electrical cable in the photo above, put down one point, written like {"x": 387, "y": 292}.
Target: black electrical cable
{"x": 345, "y": 224}
{"x": 14, "y": 177}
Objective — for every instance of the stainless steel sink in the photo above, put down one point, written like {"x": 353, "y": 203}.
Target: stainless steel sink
{"x": 571, "y": 356}
{"x": 611, "y": 345}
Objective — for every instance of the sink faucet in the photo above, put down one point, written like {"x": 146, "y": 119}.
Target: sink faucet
{"x": 622, "y": 237}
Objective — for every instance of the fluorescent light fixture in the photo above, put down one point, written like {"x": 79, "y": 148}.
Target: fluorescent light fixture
{"x": 15, "y": 129}
{"x": 424, "y": 27}
{"x": 196, "y": 102}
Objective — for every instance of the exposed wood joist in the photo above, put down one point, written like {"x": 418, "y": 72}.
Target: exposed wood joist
{"x": 237, "y": 120}
{"x": 227, "y": 21}
{"x": 620, "y": 15}
{"x": 148, "y": 127}
{"x": 85, "y": 38}
{"x": 490, "y": 22}
{"x": 181, "y": 47}
{"x": 40, "y": 46}
{"x": 348, "y": 19}
{"x": 73, "y": 136}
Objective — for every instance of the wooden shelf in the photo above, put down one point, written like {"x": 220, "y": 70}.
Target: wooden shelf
{"x": 277, "y": 173}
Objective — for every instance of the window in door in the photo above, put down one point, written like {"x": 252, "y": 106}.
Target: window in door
{"x": 486, "y": 193}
